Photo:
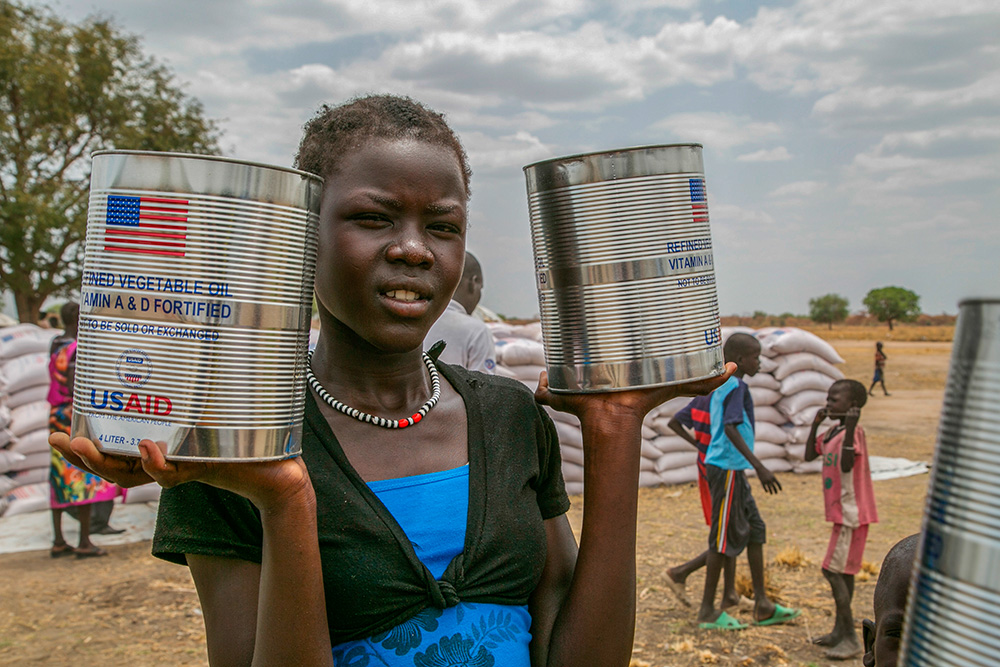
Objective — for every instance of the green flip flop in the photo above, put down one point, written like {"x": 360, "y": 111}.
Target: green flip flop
{"x": 724, "y": 622}
{"x": 780, "y": 615}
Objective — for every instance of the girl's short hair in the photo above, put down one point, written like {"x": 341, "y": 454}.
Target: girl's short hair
{"x": 337, "y": 130}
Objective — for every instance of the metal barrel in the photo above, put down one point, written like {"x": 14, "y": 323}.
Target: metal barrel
{"x": 953, "y": 615}
{"x": 624, "y": 268}
{"x": 195, "y": 306}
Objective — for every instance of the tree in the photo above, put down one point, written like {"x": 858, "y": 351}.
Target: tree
{"x": 67, "y": 90}
{"x": 828, "y": 309}
{"x": 889, "y": 304}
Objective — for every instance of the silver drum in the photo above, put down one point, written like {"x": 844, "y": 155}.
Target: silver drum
{"x": 195, "y": 307}
{"x": 953, "y": 617}
{"x": 624, "y": 268}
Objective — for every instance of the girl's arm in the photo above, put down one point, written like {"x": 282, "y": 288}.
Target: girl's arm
{"x": 594, "y": 623}
{"x": 811, "y": 451}
{"x": 847, "y": 449}
{"x": 268, "y": 614}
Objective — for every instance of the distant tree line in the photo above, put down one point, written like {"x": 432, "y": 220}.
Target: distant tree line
{"x": 886, "y": 304}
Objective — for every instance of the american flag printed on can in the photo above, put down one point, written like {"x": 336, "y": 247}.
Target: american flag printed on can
{"x": 146, "y": 225}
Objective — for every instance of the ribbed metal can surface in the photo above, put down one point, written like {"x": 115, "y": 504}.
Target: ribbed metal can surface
{"x": 195, "y": 306}
{"x": 624, "y": 268}
{"x": 953, "y": 615}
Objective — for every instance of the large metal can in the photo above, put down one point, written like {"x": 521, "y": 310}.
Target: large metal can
{"x": 195, "y": 307}
{"x": 953, "y": 616}
{"x": 624, "y": 268}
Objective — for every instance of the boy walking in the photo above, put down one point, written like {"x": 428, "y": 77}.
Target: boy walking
{"x": 695, "y": 416}
{"x": 736, "y": 522}
{"x": 850, "y": 506}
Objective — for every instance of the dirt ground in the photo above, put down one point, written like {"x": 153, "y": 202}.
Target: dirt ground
{"x": 132, "y": 609}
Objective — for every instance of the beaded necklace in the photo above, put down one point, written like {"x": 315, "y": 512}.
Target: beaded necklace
{"x": 372, "y": 419}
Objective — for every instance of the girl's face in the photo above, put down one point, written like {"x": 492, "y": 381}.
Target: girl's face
{"x": 838, "y": 400}
{"x": 391, "y": 240}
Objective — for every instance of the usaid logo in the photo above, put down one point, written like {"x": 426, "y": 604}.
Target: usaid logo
{"x": 133, "y": 368}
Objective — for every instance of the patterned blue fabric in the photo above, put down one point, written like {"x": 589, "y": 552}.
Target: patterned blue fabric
{"x": 432, "y": 510}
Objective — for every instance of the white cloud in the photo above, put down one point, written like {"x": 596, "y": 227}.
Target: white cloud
{"x": 798, "y": 189}
{"x": 717, "y": 129}
{"x": 778, "y": 154}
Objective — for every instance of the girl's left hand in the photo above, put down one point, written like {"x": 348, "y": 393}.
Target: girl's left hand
{"x": 853, "y": 414}
{"x": 631, "y": 402}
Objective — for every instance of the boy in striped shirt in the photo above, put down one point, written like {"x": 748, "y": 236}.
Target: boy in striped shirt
{"x": 736, "y": 522}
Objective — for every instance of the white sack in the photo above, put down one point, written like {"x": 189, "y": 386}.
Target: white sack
{"x": 29, "y": 498}
{"x": 762, "y": 380}
{"x": 805, "y": 380}
{"x": 145, "y": 493}
{"x": 22, "y": 339}
{"x": 768, "y": 413}
{"x": 9, "y": 459}
{"x": 673, "y": 443}
{"x": 673, "y": 460}
{"x": 804, "y": 361}
{"x": 521, "y": 352}
{"x": 776, "y": 464}
{"x": 764, "y": 396}
{"x": 572, "y": 472}
{"x": 31, "y": 442}
{"x": 30, "y": 417}
{"x": 571, "y": 454}
{"x": 29, "y": 370}
{"x": 569, "y": 435}
{"x": 574, "y": 488}
{"x": 814, "y": 466}
{"x": 769, "y": 432}
{"x": 684, "y": 475}
{"x": 763, "y": 449}
{"x": 776, "y": 341}
{"x": 798, "y": 402}
{"x": 767, "y": 365}
{"x": 30, "y": 461}
{"x": 40, "y": 392}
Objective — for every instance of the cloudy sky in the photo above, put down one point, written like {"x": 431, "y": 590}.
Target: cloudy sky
{"x": 849, "y": 144}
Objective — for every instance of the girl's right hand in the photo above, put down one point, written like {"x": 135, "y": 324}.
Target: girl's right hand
{"x": 264, "y": 483}
{"x": 125, "y": 471}
{"x": 822, "y": 414}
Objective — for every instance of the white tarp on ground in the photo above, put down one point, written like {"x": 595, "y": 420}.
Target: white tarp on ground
{"x": 33, "y": 531}
{"x": 885, "y": 467}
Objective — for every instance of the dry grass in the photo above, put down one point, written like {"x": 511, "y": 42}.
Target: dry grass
{"x": 791, "y": 556}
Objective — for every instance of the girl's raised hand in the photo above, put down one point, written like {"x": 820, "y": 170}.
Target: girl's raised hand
{"x": 633, "y": 401}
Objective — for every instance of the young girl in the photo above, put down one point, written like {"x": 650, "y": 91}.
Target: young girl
{"x": 441, "y": 543}
{"x": 850, "y": 505}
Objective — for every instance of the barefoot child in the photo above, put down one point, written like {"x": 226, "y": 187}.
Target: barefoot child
{"x": 695, "y": 416}
{"x": 850, "y": 505}
{"x": 736, "y": 522}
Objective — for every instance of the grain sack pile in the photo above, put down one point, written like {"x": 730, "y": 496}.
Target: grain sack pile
{"x": 796, "y": 371}
{"x": 24, "y": 418}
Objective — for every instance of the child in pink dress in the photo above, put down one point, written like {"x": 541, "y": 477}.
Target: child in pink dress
{"x": 850, "y": 505}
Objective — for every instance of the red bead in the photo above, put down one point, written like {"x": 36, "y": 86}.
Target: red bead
{"x": 416, "y": 418}
{"x": 403, "y": 423}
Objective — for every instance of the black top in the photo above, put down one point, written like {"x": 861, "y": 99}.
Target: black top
{"x": 372, "y": 577}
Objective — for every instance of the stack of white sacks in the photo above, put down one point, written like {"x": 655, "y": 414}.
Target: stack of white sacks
{"x": 24, "y": 418}
{"x": 796, "y": 371}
